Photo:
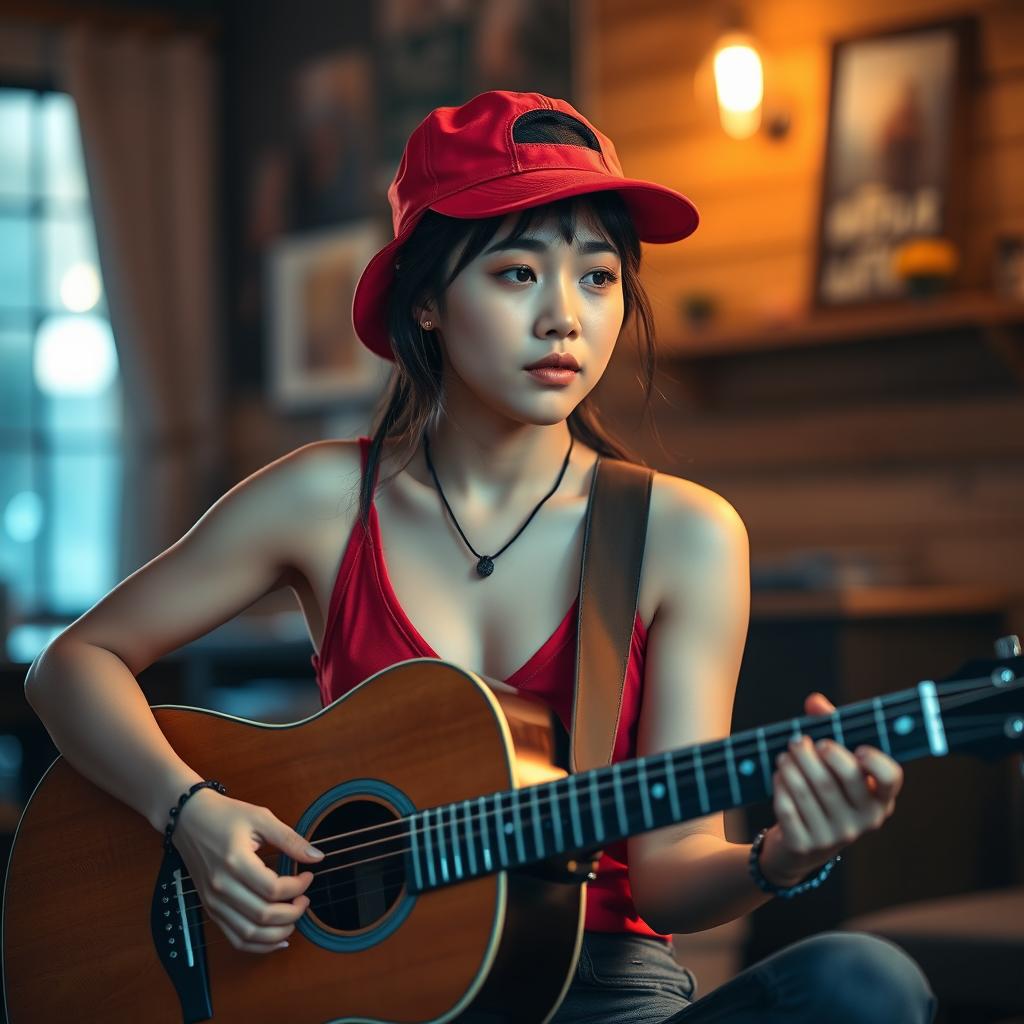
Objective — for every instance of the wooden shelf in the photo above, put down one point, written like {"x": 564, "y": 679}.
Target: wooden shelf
{"x": 979, "y": 311}
{"x": 880, "y": 602}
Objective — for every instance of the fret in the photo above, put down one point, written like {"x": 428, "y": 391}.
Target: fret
{"x": 620, "y": 800}
{"x": 730, "y": 764}
{"x": 499, "y": 830}
{"x": 837, "y": 727}
{"x": 455, "y": 843}
{"x": 538, "y": 831}
{"x": 427, "y": 842}
{"x": 749, "y": 786}
{"x": 645, "y": 796}
{"x": 467, "y": 824}
{"x": 574, "y": 809}
{"x": 766, "y": 764}
{"x": 883, "y": 732}
{"x": 483, "y": 817}
{"x": 797, "y": 731}
{"x": 443, "y": 849}
{"x": 936, "y": 731}
{"x": 673, "y": 787}
{"x": 414, "y": 837}
{"x": 556, "y": 816}
{"x": 514, "y": 798}
{"x": 595, "y": 808}
{"x": 702, "y": 785}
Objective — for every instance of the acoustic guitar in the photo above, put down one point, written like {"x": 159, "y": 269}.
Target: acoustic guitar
{"x": 456, "y": 861}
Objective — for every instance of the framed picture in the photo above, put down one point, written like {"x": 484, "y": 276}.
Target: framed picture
{"x": 893, "y": 163}
{"x": 315, "y": 358}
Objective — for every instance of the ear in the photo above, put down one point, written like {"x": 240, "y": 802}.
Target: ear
{"x": 425, "y": 311}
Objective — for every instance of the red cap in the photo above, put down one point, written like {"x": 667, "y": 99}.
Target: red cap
{"x": 478, "y": 160}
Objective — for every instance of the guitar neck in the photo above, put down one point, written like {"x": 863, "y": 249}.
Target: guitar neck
{"x": 588, "y": 810}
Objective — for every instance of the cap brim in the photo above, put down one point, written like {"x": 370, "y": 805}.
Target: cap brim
{"x": 660, "y": 214}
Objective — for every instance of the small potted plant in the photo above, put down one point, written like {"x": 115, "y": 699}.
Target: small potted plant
{"x": 926, "y": 265}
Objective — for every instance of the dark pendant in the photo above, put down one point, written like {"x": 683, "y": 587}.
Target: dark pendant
{"x": 485, "y": 566}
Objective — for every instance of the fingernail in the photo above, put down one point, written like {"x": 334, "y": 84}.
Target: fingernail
{"x": 312, "y": 851}
{"x": 282, "y": 945}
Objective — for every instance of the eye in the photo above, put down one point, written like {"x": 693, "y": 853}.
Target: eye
{"x": 609, "y": 278}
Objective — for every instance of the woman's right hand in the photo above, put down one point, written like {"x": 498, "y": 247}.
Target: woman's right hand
{"x": 254, "y": 906}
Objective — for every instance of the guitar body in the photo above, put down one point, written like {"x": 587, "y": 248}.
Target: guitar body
{"x": 79, "y": 943}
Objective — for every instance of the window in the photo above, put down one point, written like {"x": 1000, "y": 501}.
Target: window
{"x": 60, "y": 387}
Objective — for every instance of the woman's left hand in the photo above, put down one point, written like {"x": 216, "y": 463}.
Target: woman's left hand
{"x": 825, "y": 798}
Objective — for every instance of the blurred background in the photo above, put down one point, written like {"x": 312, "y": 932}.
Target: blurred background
{"x": 189, "y": 191}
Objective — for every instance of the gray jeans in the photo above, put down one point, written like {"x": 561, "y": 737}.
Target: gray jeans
{"x": 839, "y": 977}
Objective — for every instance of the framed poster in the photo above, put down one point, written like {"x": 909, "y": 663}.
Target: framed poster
{"x": 893, "y": 163}
{"x": 315, "y": 358}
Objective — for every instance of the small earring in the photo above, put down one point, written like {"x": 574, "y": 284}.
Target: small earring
{"x": 427, "y": 324}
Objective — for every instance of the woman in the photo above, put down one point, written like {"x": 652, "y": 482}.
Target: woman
{"x": 516, "y": 244}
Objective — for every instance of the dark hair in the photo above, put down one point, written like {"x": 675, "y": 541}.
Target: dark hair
{"x": 414, "y": 396}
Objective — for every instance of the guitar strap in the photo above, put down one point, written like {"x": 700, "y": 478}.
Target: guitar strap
{"x": 613, "y": 552}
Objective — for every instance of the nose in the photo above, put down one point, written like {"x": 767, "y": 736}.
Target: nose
{"x": 558, "y": 317}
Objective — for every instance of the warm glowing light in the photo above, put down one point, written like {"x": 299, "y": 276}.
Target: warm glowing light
{"x": 80, "y": 287}
{"x": 74, "y": 355}
{"x": 739, "y": 84}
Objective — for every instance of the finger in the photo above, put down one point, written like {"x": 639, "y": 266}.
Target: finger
{"x": 888, "y": 774}
{"x": 848, "y": 772}
{"x": 248, "y": 935}
{"x": 274, "y": 831}
{"x": 839, "y": 811}
{"x": 818, "y": 704}
{"x": 233, "y": 891}
{"x": 265, "y": 882}
{"x": 811, "y": 812}
{"x": 788, "y": 817}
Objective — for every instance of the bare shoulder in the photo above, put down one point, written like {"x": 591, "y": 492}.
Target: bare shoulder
{"x": 241, "y": 549}
{"x": 314, "y": 485}
{"x": 692, "y": 525}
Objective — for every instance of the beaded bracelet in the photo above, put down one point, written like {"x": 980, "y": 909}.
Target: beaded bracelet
{"x": 175, "y": 811}
{"x": 777, "y": 890}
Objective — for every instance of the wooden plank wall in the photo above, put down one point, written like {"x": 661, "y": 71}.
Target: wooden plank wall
{"x": 907, "y": 454}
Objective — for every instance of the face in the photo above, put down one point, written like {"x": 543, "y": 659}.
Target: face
{"x": 518, "y": 302}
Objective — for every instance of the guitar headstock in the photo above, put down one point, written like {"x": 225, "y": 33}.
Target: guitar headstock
{"x": 982, "y": 703}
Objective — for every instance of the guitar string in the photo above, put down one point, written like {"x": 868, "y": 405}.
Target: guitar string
{"x": 966, "y": 737}
{"x": 472, "y": 834}
{"x": 709, "y": 766}
{"x": 711, "y": 773}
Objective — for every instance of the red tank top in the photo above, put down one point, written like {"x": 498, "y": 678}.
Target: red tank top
{"x": 367, "y": 630}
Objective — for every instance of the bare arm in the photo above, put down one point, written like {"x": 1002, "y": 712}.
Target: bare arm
{"x": 688, "y": 877}
{"x": 99, "y": 719}
{"x": 83, "y": 686}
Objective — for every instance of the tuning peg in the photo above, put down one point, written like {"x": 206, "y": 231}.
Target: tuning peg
{"x": 1008, "y": 646}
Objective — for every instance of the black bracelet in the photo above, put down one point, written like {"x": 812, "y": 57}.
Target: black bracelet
{"x": 777, "y": 890}
{"x": 175, "y": 811}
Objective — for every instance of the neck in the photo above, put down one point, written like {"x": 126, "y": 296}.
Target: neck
{"x": 493, "y": 464}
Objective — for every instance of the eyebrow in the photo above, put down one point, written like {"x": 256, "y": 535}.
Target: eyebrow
{"x": 536, "y": 245}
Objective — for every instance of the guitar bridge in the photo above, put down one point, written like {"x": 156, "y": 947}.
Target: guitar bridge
{"x": 176, "y": 924}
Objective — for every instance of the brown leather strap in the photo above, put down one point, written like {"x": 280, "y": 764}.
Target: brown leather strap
{"x": 613, "y": 551}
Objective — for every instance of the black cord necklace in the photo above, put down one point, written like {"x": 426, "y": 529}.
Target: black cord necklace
{"x": 485, "y": 563}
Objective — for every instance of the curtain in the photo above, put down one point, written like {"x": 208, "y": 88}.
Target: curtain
{"x": 147, "y": 109}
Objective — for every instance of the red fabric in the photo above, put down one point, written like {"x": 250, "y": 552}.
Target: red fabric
{"x": 367, "y": 630}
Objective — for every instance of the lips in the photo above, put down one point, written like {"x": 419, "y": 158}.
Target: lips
{"x": 558, "y": 360}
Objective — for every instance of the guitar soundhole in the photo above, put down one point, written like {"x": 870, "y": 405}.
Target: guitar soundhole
{"x": 362, "y": 875}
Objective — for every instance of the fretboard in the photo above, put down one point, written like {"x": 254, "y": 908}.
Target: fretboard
{"x": 588, "y": 810}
